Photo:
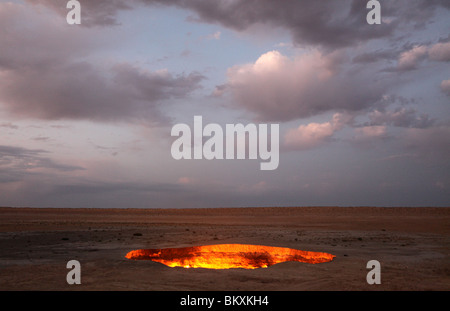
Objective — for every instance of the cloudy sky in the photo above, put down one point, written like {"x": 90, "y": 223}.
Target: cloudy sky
{"x": 86, "y": 111}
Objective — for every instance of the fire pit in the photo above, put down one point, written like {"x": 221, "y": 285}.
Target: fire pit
{"x": 226, "y": 256}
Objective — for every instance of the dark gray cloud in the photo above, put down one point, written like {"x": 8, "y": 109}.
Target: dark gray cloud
{"x": 79, "y": 91}
{"x": 154, "y": 86}
{"x": 94, "y": 13}
{"x": 327, "y": 23}
{"x": 19, "y": 152}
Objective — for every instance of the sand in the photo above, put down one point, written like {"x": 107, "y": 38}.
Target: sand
{"x": 411, "y": 244}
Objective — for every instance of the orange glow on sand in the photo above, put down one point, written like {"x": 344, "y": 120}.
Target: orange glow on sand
{"x": 226, "y": 256}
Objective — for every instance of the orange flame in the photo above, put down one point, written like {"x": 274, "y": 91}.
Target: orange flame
{"x": 226, "y": 256}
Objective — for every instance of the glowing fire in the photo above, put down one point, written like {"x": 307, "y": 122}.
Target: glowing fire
{"x": 226, "y": 256}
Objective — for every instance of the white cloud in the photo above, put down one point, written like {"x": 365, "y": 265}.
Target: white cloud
{"x": 278, "y": 88}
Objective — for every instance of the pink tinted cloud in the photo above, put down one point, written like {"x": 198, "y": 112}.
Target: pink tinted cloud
{"x": 410, "y": 59}
{"x": 373, "y": 131}
{"x": 440, "y": 52}
{"x": 314, "y": 134}
{"x": 278, "y": 88}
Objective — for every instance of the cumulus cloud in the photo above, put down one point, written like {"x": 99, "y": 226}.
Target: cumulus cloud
{"x": 278, "y": 88}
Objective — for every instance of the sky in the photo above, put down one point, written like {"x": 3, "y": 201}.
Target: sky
{"x": 86, "y": 111}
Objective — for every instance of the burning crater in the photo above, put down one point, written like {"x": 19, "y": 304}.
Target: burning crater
{"x": 226, "y": 256}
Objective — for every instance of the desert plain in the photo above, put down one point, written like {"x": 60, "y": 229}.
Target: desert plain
{"x": 412, "y": 246}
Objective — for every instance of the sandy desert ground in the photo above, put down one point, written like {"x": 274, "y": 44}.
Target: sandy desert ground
{"x": 411, "y": 244}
